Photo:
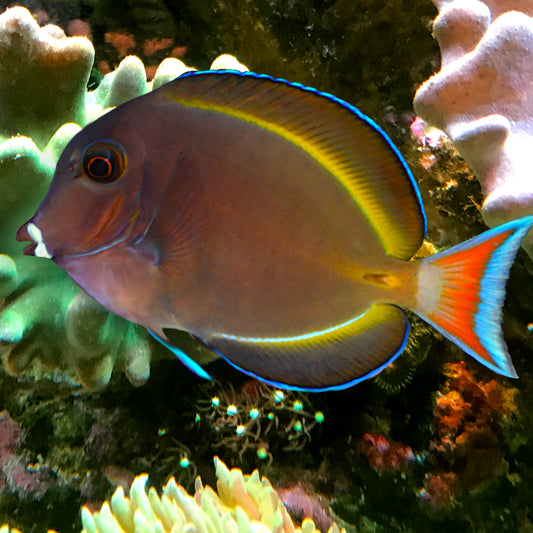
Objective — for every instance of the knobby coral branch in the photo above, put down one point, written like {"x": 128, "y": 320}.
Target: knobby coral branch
{"x": 482, "y": 98}
{"x": 44, "y": 317}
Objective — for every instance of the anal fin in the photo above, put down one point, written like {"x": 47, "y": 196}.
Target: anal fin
{"x": 335, "y": 358}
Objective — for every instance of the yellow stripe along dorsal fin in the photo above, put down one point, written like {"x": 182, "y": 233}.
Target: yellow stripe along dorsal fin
{"x": 337, "y": 135}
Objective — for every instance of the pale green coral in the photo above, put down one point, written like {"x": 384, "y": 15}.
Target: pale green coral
{"x": 25, "y": 173}
{"x": 43, "y": 77}
{"x": 44, "y": 317}
{"x": 43, "y": 314}
{"x": 48, "y": 318}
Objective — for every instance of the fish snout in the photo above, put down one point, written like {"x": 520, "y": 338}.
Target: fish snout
{"x": 23, "y": 235}
{"x": 30, "y": 232}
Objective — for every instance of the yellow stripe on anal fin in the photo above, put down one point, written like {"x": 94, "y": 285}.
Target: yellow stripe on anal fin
{"x": 337, "y": 135}
{"x": 335, "y": 358}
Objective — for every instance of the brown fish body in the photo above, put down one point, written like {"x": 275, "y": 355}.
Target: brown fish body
{"x": 223, "y": 238}
{"x": 272, "y": 222}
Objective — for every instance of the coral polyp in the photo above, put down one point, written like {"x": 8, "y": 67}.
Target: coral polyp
{"x": 257, "y": 419}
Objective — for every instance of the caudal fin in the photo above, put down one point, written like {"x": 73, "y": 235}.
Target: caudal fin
{"x": 462, "y": 290}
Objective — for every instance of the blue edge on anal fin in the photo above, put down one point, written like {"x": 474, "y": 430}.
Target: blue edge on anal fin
{"x": 199, "y": 371}
{"x": 341, "y": 386}
{"x": 183, "y": 357}
{"x": 342, "y": 358}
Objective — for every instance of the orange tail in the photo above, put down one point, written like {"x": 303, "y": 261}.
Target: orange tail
{"x": 461, "y": 292}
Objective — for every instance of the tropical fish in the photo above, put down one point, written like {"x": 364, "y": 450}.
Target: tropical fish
{"x": 272, "y": 222}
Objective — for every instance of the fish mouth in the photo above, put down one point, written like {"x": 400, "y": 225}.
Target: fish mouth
{"x": 30, "y": 232}
{"x": 30, "y": 249}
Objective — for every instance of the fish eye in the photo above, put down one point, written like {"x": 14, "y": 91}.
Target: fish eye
{"x": 103, "y": 161}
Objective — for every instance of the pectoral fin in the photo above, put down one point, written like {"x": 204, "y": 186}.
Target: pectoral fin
{"x": 177, "y": 225}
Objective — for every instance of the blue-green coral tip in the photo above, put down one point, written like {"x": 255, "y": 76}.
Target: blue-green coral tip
{"x": 11, "y": 327}
{"x": 8, "y": 275}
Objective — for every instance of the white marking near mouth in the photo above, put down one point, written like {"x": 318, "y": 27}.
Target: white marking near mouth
{"x": 37, "y": 236}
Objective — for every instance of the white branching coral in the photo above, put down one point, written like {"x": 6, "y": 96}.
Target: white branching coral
{"x": 243, "y": 504}
{"x": 482, "y": 98}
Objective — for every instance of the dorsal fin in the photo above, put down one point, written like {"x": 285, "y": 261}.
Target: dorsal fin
{"x": 347, "y": 143}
